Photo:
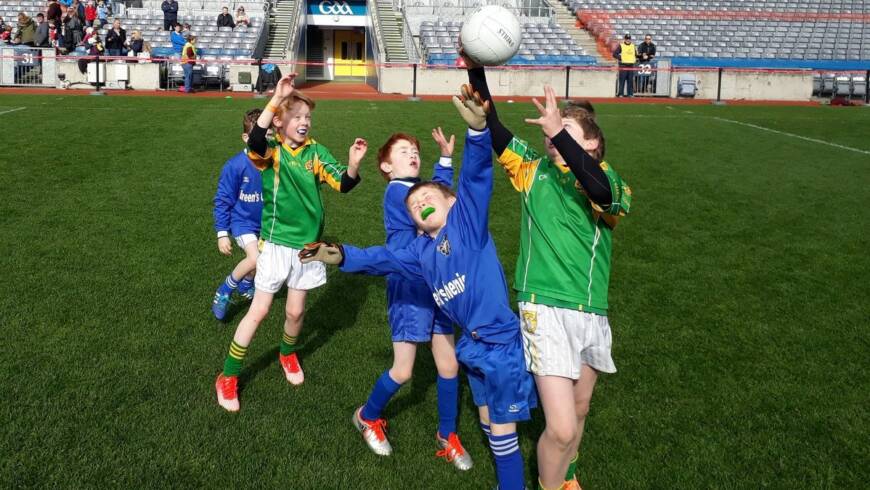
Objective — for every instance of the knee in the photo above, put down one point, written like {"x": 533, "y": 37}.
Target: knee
{"x": 581, "y": 408}
{"x": 295, "y": 313}
{"x": 447, "y": 368}
{"x": 562, "y": 435}
{"x": 258, "y": 312}
{"x": 401, "y": 374}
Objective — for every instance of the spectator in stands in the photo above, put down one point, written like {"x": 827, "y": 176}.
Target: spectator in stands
{"x": 79, "y": 8}
{"x": 242, "y": 18}
{"x": 102, "y": 13}
{"x": 90, "y": 13}
{"x": 188, "y": 59}
{"x": 626, "y": 55}
{"x": 646, "y": 53}
{"x": 225, "y": 19}
{"x": 2, "y": 24}
{"x": 115, "y": 39}
{"x": 138, "y": 45}
{"x": 26, "y": 30}
{"x": 89, "y": 33}
{"x": 170, "y": 14}
{"x": 95, "y": 46}
{"x": 52, "y": 34}
{"x": 53, "y": 12}
{"x": 177, "y": 39}
{"x": 41, "y": 38}
{"x": 73, "y": 30}
{"x": 6, "y": 34}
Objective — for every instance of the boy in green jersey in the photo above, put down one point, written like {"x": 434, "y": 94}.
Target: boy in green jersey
{"x": 571, "y": 201}
{"x": 292, "y": 172}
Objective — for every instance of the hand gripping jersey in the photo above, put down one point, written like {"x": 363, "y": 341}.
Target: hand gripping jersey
{"x": 565, "y": 239}
{"x": 412, "y": 313}
{"x": 238, "y": 203}
{"x": 460, "y": 266}
{"x": 292, "y": 209}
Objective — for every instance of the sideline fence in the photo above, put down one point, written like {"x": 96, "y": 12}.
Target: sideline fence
{"x": 38, "y": 67}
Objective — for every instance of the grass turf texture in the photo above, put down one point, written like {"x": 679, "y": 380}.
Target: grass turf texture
{"x": 738, "y": 303}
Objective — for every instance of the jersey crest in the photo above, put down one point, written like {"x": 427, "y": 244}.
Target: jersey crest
{"x": 444, "y": 246}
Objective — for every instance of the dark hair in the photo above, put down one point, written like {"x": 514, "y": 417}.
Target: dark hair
{"x": 448, "y": 192}
{"x": 384, "y": 151}
{"x": 250, "y": 119}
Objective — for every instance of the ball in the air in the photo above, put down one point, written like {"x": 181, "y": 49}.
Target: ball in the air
{"x": 491, "y": 35}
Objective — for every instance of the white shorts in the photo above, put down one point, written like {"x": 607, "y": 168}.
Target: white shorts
{"x": 278, "y": 265}
{"x": 558, "y": 341}
{"x": 243, "y": 240}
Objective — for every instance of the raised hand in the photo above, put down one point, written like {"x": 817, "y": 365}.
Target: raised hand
{"x": 471, "y": 107}
{"x": 550, "y": 119}
{"x": 328, "y": 253}
{"x": 443, "y": 143}
{"x": 357, "y": 152}
{"x": 285, "y": 87}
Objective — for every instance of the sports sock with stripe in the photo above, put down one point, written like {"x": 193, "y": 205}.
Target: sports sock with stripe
{"x": 233, "y": 362}
{"x": 384, "y": 389}
{"x": 448, "y": 405}
{"x": 486, "y": 430}
{"x": 229, "y": 285}
{"x": 288, "y": 344}
{"x": 246, "y": 285}
{"x": 572, "y": 468}
{"x": 508, "y": 461}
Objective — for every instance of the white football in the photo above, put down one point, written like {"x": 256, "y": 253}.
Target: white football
{"x": 491, "y": 35}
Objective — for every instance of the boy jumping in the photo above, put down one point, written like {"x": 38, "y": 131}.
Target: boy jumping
{"x": 456, "y": 257}
{"x": 238, "y": 206}
{"x": 412, "y": 313}
{"x": 292, "y": 217}
{"x": 571, "y": 201}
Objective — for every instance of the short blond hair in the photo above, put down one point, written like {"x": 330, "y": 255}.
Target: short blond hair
{"x": 288, "y": 103}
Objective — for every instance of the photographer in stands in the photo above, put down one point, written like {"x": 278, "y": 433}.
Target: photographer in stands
{"x": 242, "y": 18}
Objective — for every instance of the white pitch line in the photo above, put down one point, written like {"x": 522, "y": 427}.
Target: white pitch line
{"x": 12, "y": 110}
{"x": 783, "y": 133}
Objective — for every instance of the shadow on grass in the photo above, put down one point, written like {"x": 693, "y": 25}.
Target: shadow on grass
{"x": 336, "y": 306}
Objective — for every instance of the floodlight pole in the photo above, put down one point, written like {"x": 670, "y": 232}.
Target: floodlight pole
{"x": 719, "y": 89}
{"x": 413, "y": 97}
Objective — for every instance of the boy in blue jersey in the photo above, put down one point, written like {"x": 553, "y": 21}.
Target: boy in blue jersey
{"x": 412, "y": 313}
{"x": 238, "y": 206}
{"x": 456, "y": 257}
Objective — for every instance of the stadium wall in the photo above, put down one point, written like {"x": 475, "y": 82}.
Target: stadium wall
{"x": 141, "y": 76}
{"x": 751, "y": 85}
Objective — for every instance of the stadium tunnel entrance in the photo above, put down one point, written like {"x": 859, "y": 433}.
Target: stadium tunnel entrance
{"x": 336, "y": 41}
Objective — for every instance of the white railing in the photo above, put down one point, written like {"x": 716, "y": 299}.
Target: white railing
{"x": 293, "y": 33}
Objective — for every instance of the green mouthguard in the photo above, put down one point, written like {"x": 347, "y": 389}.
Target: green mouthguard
{"x": 427, "y": 212}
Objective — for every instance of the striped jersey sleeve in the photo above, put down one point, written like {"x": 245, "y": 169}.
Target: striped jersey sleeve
{"x": 621, "y": 192}
{"x": 326, "y": 168}
{"x": 520, "y": 162}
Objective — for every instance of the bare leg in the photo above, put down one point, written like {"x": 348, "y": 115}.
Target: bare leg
{"x": 255, "y": 315}
{"x": 555, "y": 444}
{"x": 295, "y": 311}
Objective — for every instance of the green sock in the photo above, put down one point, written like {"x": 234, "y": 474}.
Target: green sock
{"x": 572, "y": 469}
{"x": 288, "y": 344}
{"x": 233, "y": 362}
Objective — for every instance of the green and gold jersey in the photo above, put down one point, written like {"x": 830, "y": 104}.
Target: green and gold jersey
{"x": 292, "y": 209}
{"x": 565, "y": 239}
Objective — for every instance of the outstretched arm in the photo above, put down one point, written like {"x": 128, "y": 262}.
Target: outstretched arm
{"x": 444, "y": 168}
{"x": 374, "y": 261}
{"x": 501, "y": 136}
{"x": 586, "y": 169}
{"x": 260, "y": 153}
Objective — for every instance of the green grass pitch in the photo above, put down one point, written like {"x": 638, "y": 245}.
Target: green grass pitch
{"x": 739, "y": 305}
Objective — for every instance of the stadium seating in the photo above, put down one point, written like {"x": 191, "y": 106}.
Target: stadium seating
{"x": 542, "y": 44}
{"x": 213, "y": 42}
{"x": 774, "y": 33}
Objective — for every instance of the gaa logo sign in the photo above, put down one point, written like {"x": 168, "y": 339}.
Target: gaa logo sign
{"x": 340, "y": 7}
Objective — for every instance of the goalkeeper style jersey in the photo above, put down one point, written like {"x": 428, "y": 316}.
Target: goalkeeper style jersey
{"x": 565, "y": 239}
{"x": 292, "y": 208}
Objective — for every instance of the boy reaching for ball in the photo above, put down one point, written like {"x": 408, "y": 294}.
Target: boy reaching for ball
{"x": 238, "y": 206}
{"x": 571, "y": 200}
{"x": 456, "y": 258}
{"x": 292, "y": 173}
{"x": 412, "y": 314}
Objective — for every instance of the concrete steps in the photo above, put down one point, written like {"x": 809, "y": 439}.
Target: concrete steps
{"x": 390, "y": 32}
{"x": 568, "y": 21}
{"x": 280, "y": 21}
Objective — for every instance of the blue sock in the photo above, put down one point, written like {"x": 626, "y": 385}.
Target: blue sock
{"x": 228, "y": 286}
{"x": 508, "y": 461}
{"x": 485, "y": 429}
{"x": 448, "y": 405}
{"x": 245, "y": 285}
{"x": 383, "y": 390}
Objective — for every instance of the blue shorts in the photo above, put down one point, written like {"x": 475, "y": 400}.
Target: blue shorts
{"x": 498, "y": 378}
{"x": 412, "y": 313}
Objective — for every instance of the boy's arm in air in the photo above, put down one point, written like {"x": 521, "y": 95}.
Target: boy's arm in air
{"x": 444, "y": 168}
{"x": 340, "y": 177}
